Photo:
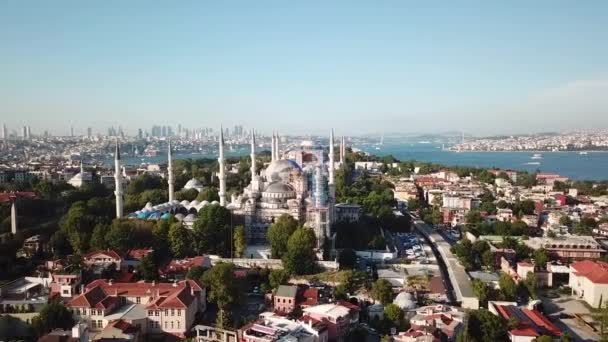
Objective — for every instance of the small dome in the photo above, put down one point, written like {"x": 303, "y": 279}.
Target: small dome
{"x": 190, "y": 218}
{"x": 215, "y": 202}
{"x": 179, "y": 216}
{"x": 405, "y": 301}
{"x": 184, "y": 203}
{"x": 194, "y": 203}
{"x": 149, "y": 206}
{"x": 174, "y": 202}
{"x": 204, "y": 203}
{"x": 194, "y": 184}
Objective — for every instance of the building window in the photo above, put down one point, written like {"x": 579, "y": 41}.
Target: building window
{"x": 171, "y": 324}
{"x": 150, "y": 324}
{"x": 156, "y": 312}
{"x": 138, "y": 300}
{"x": 166, "y": 312}
{"x": 179, "y": 312}
{"x": 156, "y": 325}
{"x": 150, "y": 313}
{"x": 178, "y": 325}
{"x": 172, "y": 312}
{"x": 165, "y": 324}
{"x": 99, "y": 324}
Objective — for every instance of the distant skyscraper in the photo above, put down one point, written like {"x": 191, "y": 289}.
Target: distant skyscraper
{"x": 71, "y": 131}
{"x": 140, "y": 134}
{"x": 4, "y": 132}
{"x": 89, "y": 132}
{"x": 24, "y": 133}
{"x": 29, "y": 132}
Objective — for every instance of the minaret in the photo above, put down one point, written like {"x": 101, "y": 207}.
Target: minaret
{"x": 342, "y": 151}
{"x": 170, "y": 177}
{"x": 222, "y": 172}
{"x": 118, "y": 181}
{"x": 330, "y": 183}
{"x": 253, "y": 170}
{"x": 81, "y": 168}
{"x": 14, "y": 216}
{"x": 272, "y": 148}
{"x": 277, "y": 150}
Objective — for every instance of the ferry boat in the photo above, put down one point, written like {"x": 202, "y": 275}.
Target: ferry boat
{"x": 536, "y": 156}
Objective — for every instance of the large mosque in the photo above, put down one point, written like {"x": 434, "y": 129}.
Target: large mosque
{"x": 297, "y": 182}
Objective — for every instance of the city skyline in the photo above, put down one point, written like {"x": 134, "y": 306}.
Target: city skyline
{"x": 366, "y": 68}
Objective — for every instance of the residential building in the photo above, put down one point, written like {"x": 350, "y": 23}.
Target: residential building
{"x": 568, "y": 246}
{"x": 271, "y": 327}
{"x": 530, "y": 325}
{"x": 98, "y": 261}
{"x": 589, "y": 281}
{"x": 152, "y": 307}
{"x": 340, "y": 318}
{"x": 285, "y": 299}
{"x": 348, "y": 212}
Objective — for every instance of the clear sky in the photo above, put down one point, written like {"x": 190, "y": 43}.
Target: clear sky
{"x": 302, "y": 66}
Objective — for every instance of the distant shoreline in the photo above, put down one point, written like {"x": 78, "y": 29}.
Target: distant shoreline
{"x": 530, "y": 151}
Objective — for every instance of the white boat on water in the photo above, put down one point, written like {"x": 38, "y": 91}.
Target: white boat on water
{"x": 583, "y": 152}
{"x": 533, "y": 163}
{"x": 536, "y": 156}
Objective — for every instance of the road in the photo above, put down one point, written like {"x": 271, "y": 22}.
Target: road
{"x": 455, "y": 276}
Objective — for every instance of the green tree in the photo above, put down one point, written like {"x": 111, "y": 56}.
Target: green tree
{"x": 195, "y": 272}
{"x": 78, "y": 225}
{"x": 160, "y": 235}
{"x": 481, "y": 290}
{"x": 473, "y": 217}
{"x": 300, "y": 257}
{"x": 507, "y": 286}
{"x": 147, "y": 268}
{"x": 225, "y": 290}
{"x": 179, "y": 240}
{"x": 278, "y": 278}
{"x": 541, "y": 256}
{"x": 394, "y": 315}
{"x": 581, "y": 229}
{"x": 482, "y": 325}
{"x": 488, "y": 207}
{"x": 208, "y": 194}
{"x": 488, "y": 258}
{"x": 347, "y": 259}
{"x": 52, "y": 316}
{"x": 279, "y": 233}
{"x": 212, "y": 230}
{"x": 98, "y": 238}
{"x": 382, "y": 291}
{"x": 531, "y": 284}
{"x": 240, "y": 241}
{"x": 565, "y": 220}
{"x": 60, "y": 244}
{"x": 119, "y": 236}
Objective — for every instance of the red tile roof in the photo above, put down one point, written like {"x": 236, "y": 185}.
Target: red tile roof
{"x": 138, "y": 254}
{"x": 524, "y": 332}
{"x": 109, "y": 253}
{"x": 595, "y": 271}
{"x": 101, "y": 294}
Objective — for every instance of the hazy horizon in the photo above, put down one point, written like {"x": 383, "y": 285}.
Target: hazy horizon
{"x": 362, "y": 68}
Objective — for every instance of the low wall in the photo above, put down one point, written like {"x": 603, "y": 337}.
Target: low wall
{"x": 272, "y": 264}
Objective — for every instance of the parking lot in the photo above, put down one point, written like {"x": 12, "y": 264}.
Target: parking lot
{"x": 415, "y": 249}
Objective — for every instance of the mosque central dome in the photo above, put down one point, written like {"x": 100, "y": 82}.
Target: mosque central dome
{"x": 279, "y": 170}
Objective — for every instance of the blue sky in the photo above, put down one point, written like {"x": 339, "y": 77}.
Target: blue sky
{"x": 359, "y": 66}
